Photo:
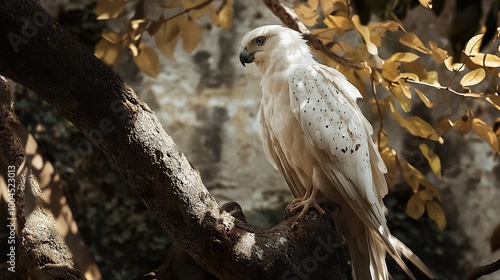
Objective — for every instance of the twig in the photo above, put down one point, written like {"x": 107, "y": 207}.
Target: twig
{"x": 476, "y": 95}
{"x": 290, "y": 19}
{"x": 483, "y": 270}
{"x": 379, "y": 134}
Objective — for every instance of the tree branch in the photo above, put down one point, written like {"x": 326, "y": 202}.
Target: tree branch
{"x": 290, "y": 19}
{"x": 483, "y": 270}
{"x": 38, "y": 53}
{"x": 39, "y": 250}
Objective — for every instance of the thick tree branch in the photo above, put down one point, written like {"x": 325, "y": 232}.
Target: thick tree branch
{"x": 39, "y": 250}
{"x": 36, "y": 52}
{"x": 291, "y": 20}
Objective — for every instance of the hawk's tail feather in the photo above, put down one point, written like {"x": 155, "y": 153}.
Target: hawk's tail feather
{"x": 414, "y": 259}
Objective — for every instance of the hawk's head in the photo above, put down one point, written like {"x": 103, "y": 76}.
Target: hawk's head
{"x": 269, "y": 43}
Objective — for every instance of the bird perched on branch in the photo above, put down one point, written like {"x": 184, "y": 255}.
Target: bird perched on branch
{"x": 317, "y": 137}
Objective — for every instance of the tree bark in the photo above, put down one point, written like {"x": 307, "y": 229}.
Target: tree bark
{"x": 37, "y": 53}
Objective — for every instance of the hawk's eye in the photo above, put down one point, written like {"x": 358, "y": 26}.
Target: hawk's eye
{"x": 260, "y": 40}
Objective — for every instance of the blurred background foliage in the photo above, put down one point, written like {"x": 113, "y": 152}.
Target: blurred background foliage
{"x": 127, "y": 242}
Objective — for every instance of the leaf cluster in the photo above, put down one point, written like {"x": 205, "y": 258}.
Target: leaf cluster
{"x": 404, "y": 82}
{"x": 168, "y": 22}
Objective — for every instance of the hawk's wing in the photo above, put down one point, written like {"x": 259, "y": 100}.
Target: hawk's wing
{"x": 324, "y": 103}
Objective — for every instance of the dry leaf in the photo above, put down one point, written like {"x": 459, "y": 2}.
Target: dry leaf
{"x": 226, "y": 15}
{"x": 494, "y": 100}
{"x": 442, "y": 126}
{"x": 108, "y": 52}
{"x": 424, "y": 98}
{"x": 167, "y": 36}
{"x": 426, "y": 3}
{"x": 107, "y": 9}
{"x": 412, "y": 176}
{"x": 415, "y": 207}
{"x": 411, "y": 40}
{"x": 432, "y": 158}
{"x": 147, "y": 60}
{"x": 390, "y": 71}
{"x": 188, "y": 4}
{"x": 403, "y": 57}
{"x": 340, "y": 22}
{"x": 487, "y": 60}
{"x": 390, "y": 160}
{"x": 401, "y": 97}
{"x": 474, "y": 77}
{"x": 464, "y": 124}
{"x": 437, "y": 53}
{"x": 190, "y": 33}
{"x": 307, "y": 12}
{"x": 473, "y": 45}
{"x": 326, "y": 6}
{"x": 485, "y": 131}
{"x": 454, "y": 67}
{"x": 435, "y": 212}
{"x": 425, "y": 195}
{"x": 364, "y": 31}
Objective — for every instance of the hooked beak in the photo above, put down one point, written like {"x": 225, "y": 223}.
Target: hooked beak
{"x": 246, "y": 57}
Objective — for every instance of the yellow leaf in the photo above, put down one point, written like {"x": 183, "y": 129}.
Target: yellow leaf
{"x": 390, "y": 160}
{"x": 226, "y": 15}
{"x": 147, "y": 60}
{"x": 424, "y": 98}
{"x": 415, "y": 207}
{"x": 107, "y": 9}
{"x": 338, "y": 22}
{"x": 415, "y": 125}
{"x": 326, "y": 6}
{"x": 411, "y": 40}
{"x": 442, "y": 126}
{"x": 487, "y": 60}
{"x": 364, "y": 31}
{"x": 495, "y": 239}
{"x": 473, "y": 45}
{"x": 437, "y": 53}
{"x": 112, "y": 37}
{"x": 425, "y": 195}
{"x": 406, "y": 89}
{"x": 454, "y": 67}
{"x": 188, "y": 4}
{"x": 167, "y": 36}
{"x": 410, "y": 76}
{"x": 426, "y": 3}
{"x": 486, "y": 132}
{"x": 494, "y": 99}
{"x": 464, "y": 124}
{"x": 390, "y": 71}
{"x": 431, "y": 77}
{"x": 474, "y": 77}
{"x": 401, "y": 97}
{"x": 412, "y": 176}
{"x": 403, "y": 57}
{"x": 108, "y": 52}
{"x": 190, "y": 34}
{"x": 432, "y": 158}
{"x": 435, "y": 212}
{"x": 307, "y": 12}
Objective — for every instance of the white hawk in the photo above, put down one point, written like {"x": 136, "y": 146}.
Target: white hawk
{"x": 317, "y": 137}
